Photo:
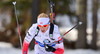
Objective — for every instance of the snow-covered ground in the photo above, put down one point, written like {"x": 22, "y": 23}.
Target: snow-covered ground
{"x": 6, "y": 48}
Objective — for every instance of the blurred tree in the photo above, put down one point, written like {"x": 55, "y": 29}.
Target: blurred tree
{"x": 81, "y": 13}
{"x": 94, "y": 33}
{"x": 61, "y": 6}
{"x": 35, "y": 12}
{"x": 5, "y": 5}
{"x": 23, "y": 7}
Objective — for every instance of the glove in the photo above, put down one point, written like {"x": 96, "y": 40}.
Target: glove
{"x": 49, "y": 48}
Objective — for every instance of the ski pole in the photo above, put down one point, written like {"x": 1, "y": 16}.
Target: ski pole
{"x": 51, "y": 6}
{"x": 72, "y": 28}
{"x": 67, "y": 32}
{"x": 14, "y": 3}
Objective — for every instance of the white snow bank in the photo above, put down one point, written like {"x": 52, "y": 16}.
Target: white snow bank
{"x": 5, "y": 45}
{"x": 82, "y": 51}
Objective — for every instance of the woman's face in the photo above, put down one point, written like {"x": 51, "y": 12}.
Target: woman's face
{"x": 43, "y": 28}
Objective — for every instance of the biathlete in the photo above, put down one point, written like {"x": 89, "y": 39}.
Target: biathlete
{"x": 44, "y": 34}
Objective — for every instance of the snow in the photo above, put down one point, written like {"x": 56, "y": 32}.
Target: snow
{"x": 82, "y": 51}
{"x": 6, "y": 48}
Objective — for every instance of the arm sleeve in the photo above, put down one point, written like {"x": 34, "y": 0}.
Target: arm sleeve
{"x": 25, "y": 47}
{"x": 28, "y": 38}
{"x": 60, "y": 46}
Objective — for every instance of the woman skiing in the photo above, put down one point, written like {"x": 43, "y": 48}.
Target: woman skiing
{"x": 47, "y": 37}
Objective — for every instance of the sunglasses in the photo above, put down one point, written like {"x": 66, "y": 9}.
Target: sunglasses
{"x": 43, "y": 25}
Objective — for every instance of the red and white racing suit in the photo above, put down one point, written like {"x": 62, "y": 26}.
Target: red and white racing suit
{"x": 39, "y": 44}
